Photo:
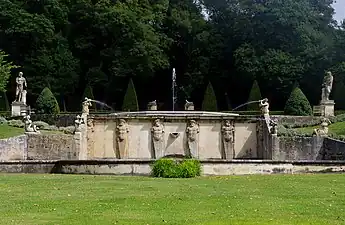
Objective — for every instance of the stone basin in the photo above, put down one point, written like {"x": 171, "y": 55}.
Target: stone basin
{"x": 155, "y": 134}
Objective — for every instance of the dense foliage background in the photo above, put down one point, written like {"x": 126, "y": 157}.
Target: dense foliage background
{"x": 71, "y": 45}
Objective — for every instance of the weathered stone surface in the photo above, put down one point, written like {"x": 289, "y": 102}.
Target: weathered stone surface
{"x": 333, "y": 149}
{"x": 51, "y": 146}
{"x": 13, "y": 148}
{"x": 299, "y": 148}
{"x": 142, "y": 167}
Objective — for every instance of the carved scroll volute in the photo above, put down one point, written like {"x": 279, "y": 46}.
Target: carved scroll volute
{"x": 228, "y": 137}
{"x": 157, "y": 132}
{"x": 122, "y": 131}
{"x": 192, "y": 136}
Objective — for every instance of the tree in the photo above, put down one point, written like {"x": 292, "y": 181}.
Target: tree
{"x": 5, "y": 70}
{"x": 298, "y": 104}
{"x": 46, "y": 103}
{"x": 338, "y": 95}
{"x": 254, "y": 95}
{"x": 130, "y": 101}
{"x": 210, "y": 101}
{"x": 4, "y": 105}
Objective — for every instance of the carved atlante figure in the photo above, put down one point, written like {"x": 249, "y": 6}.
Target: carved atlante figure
{"x": 122, "y": 130}
{"x": 86, "y": 105}
{"x": 157, "y": 130}
{"x": 327, "y": 86}
{"x": 192, "y": 130}
{"x": 227, "y": 131}
{"x": 29, "y": 126}
{"x": 21, "y": 83}
{"x": 264, "y": 106}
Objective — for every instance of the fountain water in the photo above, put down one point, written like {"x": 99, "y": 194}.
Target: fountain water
{"x": 101, "y": 103}
{"x": 244, "y": 104}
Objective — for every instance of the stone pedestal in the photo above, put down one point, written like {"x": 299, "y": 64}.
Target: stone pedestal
{"x": 327, "y": 108}
{"x": 20, "y": 109}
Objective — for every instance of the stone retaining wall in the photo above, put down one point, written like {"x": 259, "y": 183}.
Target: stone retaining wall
{"x": 309, "y": 148}
{"x": 14, "y": 148}
{"x": 51, "y": 147}
{"x": 143, "y": 167}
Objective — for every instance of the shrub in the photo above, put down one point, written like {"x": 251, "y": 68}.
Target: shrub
{"x": 298, "y": 104}
{"x": 210, "y": 101}
{"x": 16, "y": 123}
{"x": 130, "y": 101}
{"x": 339, "y": 98}
{"x": 41, "y": 125}
{"x": 67, "y": 130}
{"x": 172, "y": 168}
{"x": 254, "y": 95}
{"x": 46, "y": 103}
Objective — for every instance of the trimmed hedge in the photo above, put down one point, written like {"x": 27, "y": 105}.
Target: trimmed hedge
{"x": 254, "y": 95}
{"x": 46, "y": 103}
{"x": 210, "y": 100}
{"x": 173, "y": 168}
{"x": 298, "y": 104}
{"x": 130, "y": 101}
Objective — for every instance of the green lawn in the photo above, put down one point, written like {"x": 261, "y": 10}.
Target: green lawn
{"x": 76, "y": 199}
{"x": 335, "y": 128}
{"x": 9, "y": 131}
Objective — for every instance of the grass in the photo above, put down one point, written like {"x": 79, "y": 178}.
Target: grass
{"x": 75, "y": 199}
{"x": 335, "y": 128}
{"x": 9, "y": 131}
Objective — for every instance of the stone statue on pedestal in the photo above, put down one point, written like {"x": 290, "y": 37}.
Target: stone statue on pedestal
{"x": 19, "y": 107}
{"x": 20, "y": 92}
{"x": 327, "y": 86}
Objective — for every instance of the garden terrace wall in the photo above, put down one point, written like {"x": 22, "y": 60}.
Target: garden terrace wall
{"x": 309, "y": 148}
{"x": 143, "y": 167}
{"x": 51, "y": 147}
{"x": 297, "y": 121}
{"x": 14, "y": 148}
{"x": 333, "y": 149}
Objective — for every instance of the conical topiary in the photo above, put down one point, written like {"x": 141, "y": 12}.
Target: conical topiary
{"x": 4, "y": 105}
{"x": 228, "y": 102}
{"x": 298, "y": 104}
{"x": 339, "y": 97}
{"x": 210, "y": 100}
{"x": 88, "y": 93}
{"x": 130, "y": 101}
{"x": 46, "y": 103}
{"x": 254, "y": 95}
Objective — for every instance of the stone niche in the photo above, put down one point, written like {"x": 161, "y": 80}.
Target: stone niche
{"x": 157, "y": 134}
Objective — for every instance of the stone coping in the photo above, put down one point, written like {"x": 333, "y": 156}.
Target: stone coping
{"x": 248, "y": 118}
{"x": 146, "y": 161}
